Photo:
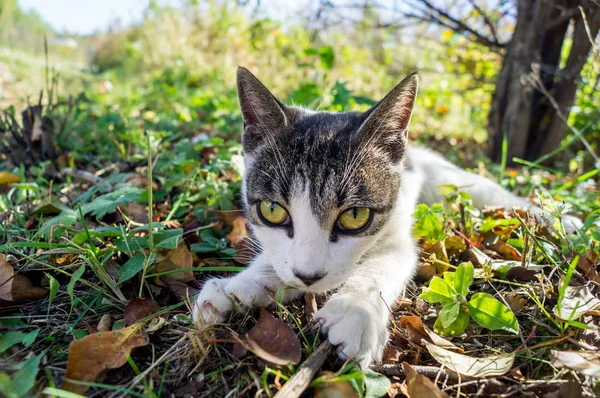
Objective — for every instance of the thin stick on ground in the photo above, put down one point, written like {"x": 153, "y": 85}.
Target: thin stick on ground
{"x": 296, "y": 385}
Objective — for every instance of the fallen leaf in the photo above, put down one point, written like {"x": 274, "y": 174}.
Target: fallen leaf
{"x": 523, "y": 274}
{"x": 454, "y": 245}
{"x": 136, "y": 211}
{"x": 239, "y": 231}
{"x": 92, "y": 354}
{"x": 476, "y": 256}
{"x": 6, "y": 279}
{"x": 515, "y": 301}
{"x": 273, "y": 340}
{"x": 419, "y": 333}
{"x": 505, "y": 250}
{"x": 476, "y": 367}
{"x": 8, "y": 178}
{"x": 587, "y": 269}
{"x": 576, "y": 302}
{"x": 333, "y": 389}
{"x": 138, "y": 309}
{"x": 104, "y": 324}
{"x": 181, "y": 290}
{"x": 22, "y": 290}
{"x": 419, "y": 386}
{"x": 177, "y": 259}
{"x": 239, "y": 351}
{"x": 584, "y": 362}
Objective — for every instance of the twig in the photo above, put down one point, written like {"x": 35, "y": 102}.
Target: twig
{"x": 429, "y": 371}
{"x": 296, "y": 385}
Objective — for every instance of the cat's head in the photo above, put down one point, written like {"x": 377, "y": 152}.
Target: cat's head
{"x": 320, "y": 187}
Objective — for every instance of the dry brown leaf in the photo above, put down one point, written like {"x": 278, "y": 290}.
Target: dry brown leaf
{"x": 588, "y": 269}
{"x": 273, "y": 340}
{"x": 523, "y": 274}
{"x": 93, "y": 354}
{"x": 6, "y": 279}
{"x": 505, "y": 250}
{"x": 23, "y": 290}
{"x": 425, "y": 271}
{"x": 104, "y": 324}
{"x": 138, "y": 309}
{"x": 177, "y": 259}
{"x": 419, "y": 386}
{"x": 239, "y": 231}
{"x": 8, "y": 178}
{"x": 136, "y": 212}
{"x": 418, "y": 333}
{"x": 515, "y": 301}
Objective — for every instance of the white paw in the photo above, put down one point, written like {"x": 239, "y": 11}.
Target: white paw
{"x": 357, "y": 327}
{"x": 212, "y": 305}
{"x": 219, "y": 297}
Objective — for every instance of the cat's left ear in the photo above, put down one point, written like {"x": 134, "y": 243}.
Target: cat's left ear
{"x": 386, "y": 125}
{"x": 263, "y": 114}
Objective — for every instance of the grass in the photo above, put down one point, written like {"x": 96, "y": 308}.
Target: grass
{"x": 158, "y": 220}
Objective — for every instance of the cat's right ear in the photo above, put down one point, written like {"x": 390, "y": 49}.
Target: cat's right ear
{"x": 263, "y": 114}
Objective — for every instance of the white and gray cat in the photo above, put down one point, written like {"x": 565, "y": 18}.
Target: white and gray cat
{"x": 330, "y": 198}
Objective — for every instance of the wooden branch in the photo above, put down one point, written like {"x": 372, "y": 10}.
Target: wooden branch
{"x": 571, "y": 13}
{"x": 296, "y": 385}
{"x": 486, "y": 19}
{"x": 459, "y": 26}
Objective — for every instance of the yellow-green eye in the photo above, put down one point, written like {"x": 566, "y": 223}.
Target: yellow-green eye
{"x": 355, "y": 218}
{"x": 273, "y": 212}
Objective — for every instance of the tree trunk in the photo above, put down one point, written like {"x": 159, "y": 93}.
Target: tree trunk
{"x": 526, "y": 115}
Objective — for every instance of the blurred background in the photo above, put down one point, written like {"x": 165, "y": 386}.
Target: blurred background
{"x": 511, "y": 79}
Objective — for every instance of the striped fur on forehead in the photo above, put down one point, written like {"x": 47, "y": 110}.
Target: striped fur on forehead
{"x": 322, "y": 153}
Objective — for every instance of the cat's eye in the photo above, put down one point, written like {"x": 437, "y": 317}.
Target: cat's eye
{"x": 272, "y": 212}
{"x": 354, "y": 219}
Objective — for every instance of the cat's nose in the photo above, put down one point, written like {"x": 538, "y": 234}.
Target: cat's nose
{"x": 309, "y": 279}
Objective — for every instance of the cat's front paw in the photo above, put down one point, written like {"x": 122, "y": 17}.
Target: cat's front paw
{"x": 219, "y": 297}
{"x": 212, "y": 305}
{"x": 357, "y": 327}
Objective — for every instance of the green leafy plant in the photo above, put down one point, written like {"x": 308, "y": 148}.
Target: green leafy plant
{"x": 429, "y": 222}
{"x": 452, "y": 290}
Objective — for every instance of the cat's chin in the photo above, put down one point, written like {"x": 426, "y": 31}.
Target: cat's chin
{"x": 317, "y": 288}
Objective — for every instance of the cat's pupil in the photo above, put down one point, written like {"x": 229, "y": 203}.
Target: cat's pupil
{"x": 355, "y": 213}
{"x": 272, "y": 206}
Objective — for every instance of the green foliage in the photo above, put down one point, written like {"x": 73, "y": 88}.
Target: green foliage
{"x": 429, "y": 222}
{"x": 10, "y": 339}
{"x": 483, "y": 308}
{"x": 22, "y": 380}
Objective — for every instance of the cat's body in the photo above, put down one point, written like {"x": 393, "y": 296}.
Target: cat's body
{"x": 330, "y": 199}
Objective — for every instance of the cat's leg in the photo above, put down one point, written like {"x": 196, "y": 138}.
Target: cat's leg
{"x": 356, "y": 317}
{"x": 252, "y": 287}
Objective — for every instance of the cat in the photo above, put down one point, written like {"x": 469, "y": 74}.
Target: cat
{"x": 330, "y": 197}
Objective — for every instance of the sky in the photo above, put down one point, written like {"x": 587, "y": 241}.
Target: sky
{"x": 86, "y": 16}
